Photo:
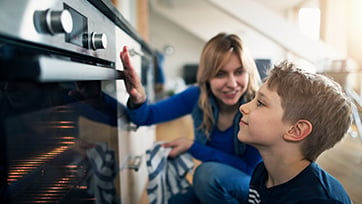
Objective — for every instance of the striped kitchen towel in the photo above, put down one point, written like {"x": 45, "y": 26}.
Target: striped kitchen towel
{"x": 167, "y": 176}
{"x": 102, "y": 174}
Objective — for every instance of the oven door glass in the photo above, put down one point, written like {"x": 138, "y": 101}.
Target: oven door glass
{"x": 58, "y": 142}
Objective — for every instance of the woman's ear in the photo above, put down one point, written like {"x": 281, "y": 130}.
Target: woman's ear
{"x": 300, "y": 130}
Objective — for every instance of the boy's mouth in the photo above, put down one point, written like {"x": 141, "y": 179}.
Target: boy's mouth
{"x": 243, "y": 122}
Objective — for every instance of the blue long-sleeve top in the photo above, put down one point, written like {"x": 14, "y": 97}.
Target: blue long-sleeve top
{"x": 222, "y": 146}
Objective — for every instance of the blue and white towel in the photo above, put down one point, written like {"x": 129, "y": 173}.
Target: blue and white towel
{"x": 167, "y": 176}
{"x": 102, "y": 174}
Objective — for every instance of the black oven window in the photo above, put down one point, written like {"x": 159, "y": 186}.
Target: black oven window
{"x": 51, "y": 142}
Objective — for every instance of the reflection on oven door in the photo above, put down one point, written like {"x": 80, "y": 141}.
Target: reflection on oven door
{"x": 58, "y": 143}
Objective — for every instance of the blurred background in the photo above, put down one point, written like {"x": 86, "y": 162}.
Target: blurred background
{"x": 321, "y": 36}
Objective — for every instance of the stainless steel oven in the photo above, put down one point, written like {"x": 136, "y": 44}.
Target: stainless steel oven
{"x": 63, "y": 122}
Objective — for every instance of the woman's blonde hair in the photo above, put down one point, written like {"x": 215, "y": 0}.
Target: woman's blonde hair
{"x": 214, "y": 55}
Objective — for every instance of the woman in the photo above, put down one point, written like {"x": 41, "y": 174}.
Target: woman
{"x": 227, "y": 77}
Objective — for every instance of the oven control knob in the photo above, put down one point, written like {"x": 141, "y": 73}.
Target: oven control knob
{"x": 59, "y": 21}
{"x": 98, "y": 41}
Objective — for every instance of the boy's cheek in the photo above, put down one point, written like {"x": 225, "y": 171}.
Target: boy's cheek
{"x": 242, "y": 134}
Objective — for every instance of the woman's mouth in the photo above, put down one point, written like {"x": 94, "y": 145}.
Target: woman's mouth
{"x": 231, "y": 94}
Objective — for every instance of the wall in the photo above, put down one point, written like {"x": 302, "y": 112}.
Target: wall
{"x": 335, "y": 32}
{"x": 188, "y": 47}
{"x": 354, "y": 31}
{"x": 344, "y": 33}
{"x": 354, "y": 41}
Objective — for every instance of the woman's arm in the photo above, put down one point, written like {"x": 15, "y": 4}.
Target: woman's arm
{"x": 142, "y": 113}
{"x": 171, "y": 108}
{"x": 247, "y": 163}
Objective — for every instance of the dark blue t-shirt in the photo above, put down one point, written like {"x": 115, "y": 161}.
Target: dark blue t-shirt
{"x": 312, "y": 185}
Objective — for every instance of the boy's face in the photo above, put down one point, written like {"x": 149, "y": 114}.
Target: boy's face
{"x": 261, "y": 124}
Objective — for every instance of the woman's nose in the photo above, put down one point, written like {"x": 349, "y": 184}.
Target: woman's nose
{"x": 232, "y": 81}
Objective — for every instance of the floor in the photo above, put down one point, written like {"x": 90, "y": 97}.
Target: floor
{"x": 344, "y": 161}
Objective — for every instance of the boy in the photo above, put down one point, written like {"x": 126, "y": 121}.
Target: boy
{"x": 294, "y": 117}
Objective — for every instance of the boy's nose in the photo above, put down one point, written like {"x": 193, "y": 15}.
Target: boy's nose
{"x": 243, "y": 109}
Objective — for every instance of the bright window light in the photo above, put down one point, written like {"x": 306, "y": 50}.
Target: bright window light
{"x": 309, "y": 22}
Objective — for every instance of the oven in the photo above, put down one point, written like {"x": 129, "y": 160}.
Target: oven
{"x": 63, "y": 124}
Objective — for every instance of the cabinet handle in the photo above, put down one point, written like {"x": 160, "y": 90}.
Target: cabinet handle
{"x": 132, "y": 127}
{"x": 133, "y": 52}
{"x": 134, "y": 162}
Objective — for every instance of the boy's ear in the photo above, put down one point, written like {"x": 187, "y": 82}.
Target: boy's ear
{"x": 300, "y": 130}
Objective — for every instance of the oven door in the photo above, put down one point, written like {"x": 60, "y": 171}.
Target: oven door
{"x": 60, "y": 123}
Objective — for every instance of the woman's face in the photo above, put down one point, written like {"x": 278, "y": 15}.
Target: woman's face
{"x": 230, "y": 83}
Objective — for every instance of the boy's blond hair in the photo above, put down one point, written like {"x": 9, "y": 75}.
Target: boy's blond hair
{"x": 312, "y": 97}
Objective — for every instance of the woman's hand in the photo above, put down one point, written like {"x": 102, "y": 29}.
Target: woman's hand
{"x": 179, "y": 146}
{"x": 132, "y": 80}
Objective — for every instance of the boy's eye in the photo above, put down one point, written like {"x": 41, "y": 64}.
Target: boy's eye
{"x": 259, "y": 103}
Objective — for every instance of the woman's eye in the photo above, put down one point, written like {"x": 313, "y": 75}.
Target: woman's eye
{"x": 220, "y": 74}
{"x": 239, "y": 72}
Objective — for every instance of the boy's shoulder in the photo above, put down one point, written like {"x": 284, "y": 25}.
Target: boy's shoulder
{"x": 313, "y": 183}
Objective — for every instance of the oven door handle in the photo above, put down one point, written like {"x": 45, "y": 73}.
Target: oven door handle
{"x": 47, "y": 69}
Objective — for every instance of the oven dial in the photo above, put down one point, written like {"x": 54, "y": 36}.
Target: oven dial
{"x": 98, "y": 41}
{"x": 59, "y": 21}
